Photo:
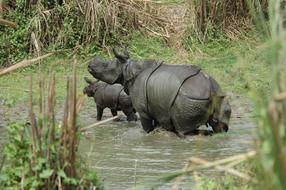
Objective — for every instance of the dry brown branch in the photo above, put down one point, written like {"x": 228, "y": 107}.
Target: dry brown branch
{"x": 8, "y": 23}
{"x": 99, "y": 123}
{"x": 72, "y": 124}
{"x": 179, "y": 178}
{"x": 280, "y": 97}
{"x": 35, "y": 135}
{"x": 275, "y": 120}
{"x": 245, "y": 156}
{"x": 234, "y": 163}
{"x": 51, "y": 106}
{"x": 64, "y": 136}
{"x": 23, "y": 64}
{"x": 79, "y": 103}
{"x": 221, "y": 168}
{"x": 232, "y": 158}
{"x": 36, "y": 43}
{"x": 1, "y": 6}
{"x": 216, "y": 164}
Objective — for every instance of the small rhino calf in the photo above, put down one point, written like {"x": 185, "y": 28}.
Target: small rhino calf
{"x": 110, "y": 96}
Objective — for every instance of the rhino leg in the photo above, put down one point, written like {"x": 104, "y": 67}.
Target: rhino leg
{"x": 147, "y": 124}
{"x": 200, "y": 132}
{"x": 99, "y": 113}
{"x": 129, "y": 112}
{"x": 113, "y": 112}
{"x": 155, "y": 123}
{"x": 127, "y": 108}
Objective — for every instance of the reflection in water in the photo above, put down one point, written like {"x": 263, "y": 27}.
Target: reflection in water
{"x": 124, "y": 155}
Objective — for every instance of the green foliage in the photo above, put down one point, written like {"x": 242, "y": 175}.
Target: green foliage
{"x": 144, "y": 47}
{"x": 71, "y": 25}
{"x": 19, "y": 172}
{"x": 226, "y": 182}
{"x": 240, "y": 66}
{"x": 14, "y": 43}
{"x": 18, "y": 156}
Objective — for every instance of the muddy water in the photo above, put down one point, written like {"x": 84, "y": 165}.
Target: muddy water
{"x": 124, "y": 155}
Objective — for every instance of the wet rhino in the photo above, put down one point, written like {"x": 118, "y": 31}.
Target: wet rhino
{"x": 110, "y": 96}
{"x": 178, "y": 97}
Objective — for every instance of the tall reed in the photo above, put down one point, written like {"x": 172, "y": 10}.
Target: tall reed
{"x": 272, "y": 126}
{"x": 231, "y": 17}
{"x": 44, "y": 153}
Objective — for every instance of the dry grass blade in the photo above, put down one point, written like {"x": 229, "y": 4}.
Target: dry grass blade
{"x": 8, "y": 23}
{"x": 35, "y": 135}
{"x": 79, "y": 103}
{"x": 23, "y": 64}
{"x": 179, "y": 178}
{"x": 216, "y": 164}
{"x": 51, "y": 125}
{"x": 275, "y": 120}
{"x": 99, "y": 123}
{"x": 280, "y": 97}
{"x": 36, "y": 43}
{"x": 72, "y": 124}
{"x": 221, "y": 168}
{"x": 51, "y": 107}
{"x": 65, "y": 135}
{"x": 245, "y": 156}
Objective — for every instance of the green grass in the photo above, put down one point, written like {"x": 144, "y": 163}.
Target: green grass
{"x": 222, "y": 59}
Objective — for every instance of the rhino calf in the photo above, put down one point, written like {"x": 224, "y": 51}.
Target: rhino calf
{"x": 110, "y": 96}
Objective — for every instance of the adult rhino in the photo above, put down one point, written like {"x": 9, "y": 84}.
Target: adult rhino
{"x": 178, "y": 97}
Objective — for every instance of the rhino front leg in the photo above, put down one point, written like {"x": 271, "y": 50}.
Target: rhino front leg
{"x": 114, "y": 113}
{"x": 147, "y": 124}
{"x": 131, "y": 116}
{"x": 99, "y": 113}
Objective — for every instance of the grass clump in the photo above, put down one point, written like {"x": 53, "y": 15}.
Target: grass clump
{"x": 42, "y": 154}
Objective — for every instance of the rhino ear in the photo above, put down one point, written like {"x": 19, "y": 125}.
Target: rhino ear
{"x": 87, "y": 80}
{"x": 121, "y": 58}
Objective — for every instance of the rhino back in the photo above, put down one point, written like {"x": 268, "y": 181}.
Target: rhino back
{"x": 164, "y": 85}
{"x": 197, "y": 87}
{"x": 110, "y": 95}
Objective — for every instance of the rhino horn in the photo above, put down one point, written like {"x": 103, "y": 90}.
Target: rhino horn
{"x": 122, "y": 58}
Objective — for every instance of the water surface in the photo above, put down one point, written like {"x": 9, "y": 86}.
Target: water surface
{"x": 124, "y": 155}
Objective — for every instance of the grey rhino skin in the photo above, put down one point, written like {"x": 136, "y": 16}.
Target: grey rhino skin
{"x": 180, "y": 98}
{"x": 110, "y": 96}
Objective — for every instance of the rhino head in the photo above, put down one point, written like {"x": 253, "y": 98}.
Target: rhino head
{"x": 109, "y": 71}
{"x": 91, "y": 88}
{"x": 219, "y": 121}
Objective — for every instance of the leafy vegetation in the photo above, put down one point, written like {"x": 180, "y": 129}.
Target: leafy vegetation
{"x": 43, "y": 155}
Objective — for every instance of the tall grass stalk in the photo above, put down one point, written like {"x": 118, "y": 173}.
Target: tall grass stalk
{"x": 272, "y": 128}
{"x": 44, "y": 155}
